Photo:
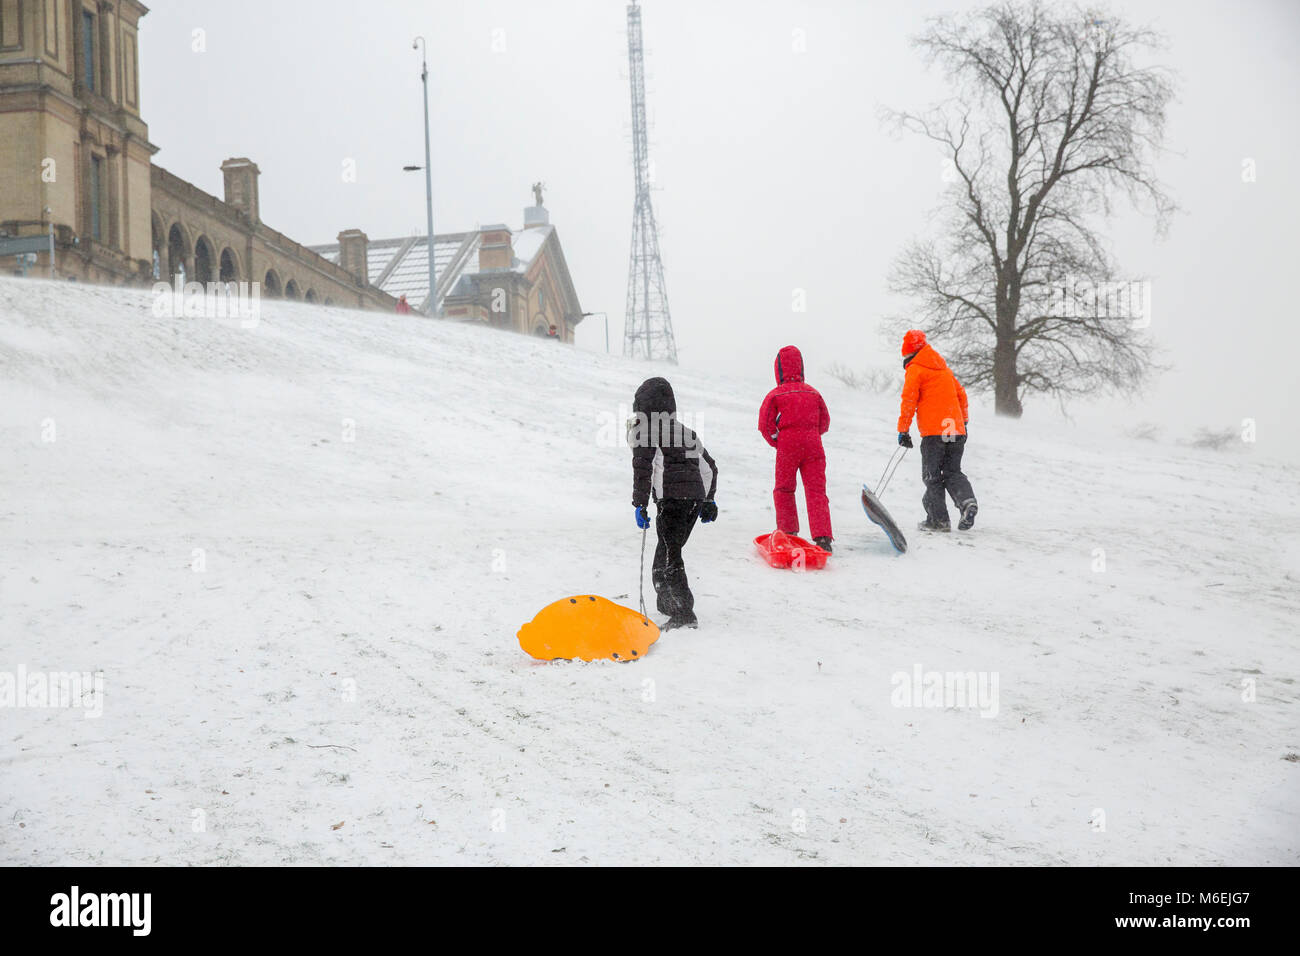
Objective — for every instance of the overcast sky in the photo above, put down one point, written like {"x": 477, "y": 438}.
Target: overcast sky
{"x": 772, "y": 170}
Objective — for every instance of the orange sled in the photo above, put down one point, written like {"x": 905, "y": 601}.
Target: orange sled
{"x": 586, "y": 627}
{"x": 782, "y": 550}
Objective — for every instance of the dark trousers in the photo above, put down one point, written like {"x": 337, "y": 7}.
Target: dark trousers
{"x": 674, "y": 524}
{"x": 941, "y": 472}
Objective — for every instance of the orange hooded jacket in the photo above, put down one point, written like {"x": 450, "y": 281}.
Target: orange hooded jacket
{"x": 932, "y": 393}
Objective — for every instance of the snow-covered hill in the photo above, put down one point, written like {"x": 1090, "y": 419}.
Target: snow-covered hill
{"x": 299, "y": 554}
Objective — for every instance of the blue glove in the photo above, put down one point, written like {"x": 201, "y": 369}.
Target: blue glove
{"x": 709, "y": 511}
{"x": 905, "y": 439}
{"x": 642, "y": 517}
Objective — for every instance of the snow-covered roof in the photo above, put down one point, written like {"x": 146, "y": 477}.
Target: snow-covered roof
{"x": 401, "y": 266}
{"x": 527, "y": 244}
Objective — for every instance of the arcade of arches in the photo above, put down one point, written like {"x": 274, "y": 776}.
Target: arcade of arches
{"x": 200, "y": 238}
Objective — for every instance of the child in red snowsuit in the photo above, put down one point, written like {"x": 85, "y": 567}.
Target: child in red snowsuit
{"x": 792, "y": 420}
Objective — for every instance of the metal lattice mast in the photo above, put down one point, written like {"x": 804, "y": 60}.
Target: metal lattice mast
{"x": 648, "y": 325}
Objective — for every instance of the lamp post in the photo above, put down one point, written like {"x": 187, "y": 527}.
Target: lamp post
{"x": 606, "y": 316}
{"x": 419, "y": 43}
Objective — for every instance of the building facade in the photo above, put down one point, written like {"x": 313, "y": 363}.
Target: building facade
{"x": 518, "y": 281}
{"x": 75, "y": 155}
{"x": 76, "y": 168}
{"x": 201, "y": 238}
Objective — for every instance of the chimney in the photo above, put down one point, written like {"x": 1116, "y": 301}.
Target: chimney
{"x": 495, "y": 251}
{"x": 354, "y": 254}
{"x": 241, "y": 174}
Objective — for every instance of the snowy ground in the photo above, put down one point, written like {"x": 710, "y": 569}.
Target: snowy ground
{"x": 347, "y": 655}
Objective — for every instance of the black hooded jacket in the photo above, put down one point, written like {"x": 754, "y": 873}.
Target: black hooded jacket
{"x": 668, "y": 459}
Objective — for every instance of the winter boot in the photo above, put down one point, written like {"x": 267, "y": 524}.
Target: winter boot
{"x": 928, "y": 525}
{"x": 968, "y": 511}
{"x": 680, "y": 620}
{"x": 823, "y": 543}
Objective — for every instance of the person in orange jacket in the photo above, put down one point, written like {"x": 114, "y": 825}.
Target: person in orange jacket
{"x": 933, "y": 395}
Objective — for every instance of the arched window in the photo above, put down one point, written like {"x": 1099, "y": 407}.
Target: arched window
{"x": 229, "y": 269}
{"x": 159, "y": 247}
{"x": 178, "y": 250}
{"x": 204, "y": 261}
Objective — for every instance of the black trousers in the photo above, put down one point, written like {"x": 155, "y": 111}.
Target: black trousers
{"x": 941, "y": 472}
{"x": 675, "y": 521}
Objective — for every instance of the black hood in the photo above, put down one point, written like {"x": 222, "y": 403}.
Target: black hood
{"x": 655, "y": 396}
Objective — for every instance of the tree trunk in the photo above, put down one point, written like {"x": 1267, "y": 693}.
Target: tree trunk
{"x": 1006, "y": 398}
{"x": 1006, "y": 382}
{"x": 1006, "y": 401}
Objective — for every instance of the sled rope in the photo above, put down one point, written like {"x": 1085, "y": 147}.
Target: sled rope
{"x": 644, "y": 532}
{"x": 895, "y": 460}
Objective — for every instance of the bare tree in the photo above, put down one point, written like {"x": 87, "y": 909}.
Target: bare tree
{"x": 1054, "y": 117}
{"x": 878, "y": 381}
{"x": 1216, "y": 439}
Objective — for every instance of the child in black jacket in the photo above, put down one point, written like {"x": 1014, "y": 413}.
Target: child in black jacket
{"x": 671, "y": 464}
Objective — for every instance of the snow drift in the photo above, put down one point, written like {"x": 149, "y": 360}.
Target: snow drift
{"x": 297, "y": 555}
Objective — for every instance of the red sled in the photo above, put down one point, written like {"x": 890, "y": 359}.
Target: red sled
{"x": 782, "y": 550}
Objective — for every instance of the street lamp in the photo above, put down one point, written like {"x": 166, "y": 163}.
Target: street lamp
{"x": 420, "y": 44}
{"x": 586, "y": 314}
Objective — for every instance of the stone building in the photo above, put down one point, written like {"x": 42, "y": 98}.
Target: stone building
{"x": 76, "y": 167}
{"x": 74, "y": 152}
{"x": 510, "y": 280}
{"x": 206, "y": 239}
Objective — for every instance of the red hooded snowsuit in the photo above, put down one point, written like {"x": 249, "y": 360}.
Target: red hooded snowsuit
{"x": 792, "y": 420}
